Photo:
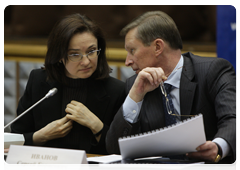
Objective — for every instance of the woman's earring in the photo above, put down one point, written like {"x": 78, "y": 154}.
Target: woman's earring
{"x": 60, "y": 62}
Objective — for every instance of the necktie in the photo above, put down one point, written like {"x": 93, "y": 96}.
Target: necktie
{"x": 169, "y": 119}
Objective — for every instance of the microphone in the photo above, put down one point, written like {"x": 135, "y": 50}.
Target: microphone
{"x": 49, "y": 94}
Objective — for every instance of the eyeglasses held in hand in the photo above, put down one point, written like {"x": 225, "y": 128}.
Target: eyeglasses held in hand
{"x": 164, "y": 92}
{"x": 78, "y": 57}
{"x": 165, "y": 95}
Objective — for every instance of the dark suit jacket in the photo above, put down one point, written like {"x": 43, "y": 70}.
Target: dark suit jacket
{"x": 104, "y": 99}
{"x": 207, "y": 86}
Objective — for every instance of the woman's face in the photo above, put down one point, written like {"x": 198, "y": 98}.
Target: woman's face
{"x": 81, "y": 43}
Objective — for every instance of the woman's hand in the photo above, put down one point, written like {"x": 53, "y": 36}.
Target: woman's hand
{"x": 56, "y": 129}
{"x": 82, "y": 115}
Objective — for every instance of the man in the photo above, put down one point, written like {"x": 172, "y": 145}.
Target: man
{"x": 199, "y": 85}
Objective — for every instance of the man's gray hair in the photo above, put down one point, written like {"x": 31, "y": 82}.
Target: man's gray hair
{"x": 155, "y": 24}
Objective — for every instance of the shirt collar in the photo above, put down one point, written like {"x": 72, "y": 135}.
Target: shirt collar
{"x": 174, "y": 77}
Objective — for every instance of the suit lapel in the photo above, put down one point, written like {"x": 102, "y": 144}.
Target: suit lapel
{"x": 187, "y": 87}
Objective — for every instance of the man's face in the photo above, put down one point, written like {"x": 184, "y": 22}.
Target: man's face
{"x": 139, "y": 56}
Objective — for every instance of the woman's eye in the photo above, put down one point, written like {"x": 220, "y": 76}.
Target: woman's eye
{"x": 74, "y": 55}
{"x": 91, "y": 51}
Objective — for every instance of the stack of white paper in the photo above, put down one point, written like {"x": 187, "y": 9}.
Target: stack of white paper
{"x": 178, "y": 139}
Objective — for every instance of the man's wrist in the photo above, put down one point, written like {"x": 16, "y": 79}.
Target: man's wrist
{"x": 136, "y": 97}
{"x": 219, "y": 154}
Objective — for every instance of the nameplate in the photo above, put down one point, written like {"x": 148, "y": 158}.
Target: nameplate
{"x": 42, "y": 155}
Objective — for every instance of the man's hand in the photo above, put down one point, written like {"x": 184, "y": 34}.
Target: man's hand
{"x": 147, "y": 80}
{"x": 56, "y": 129}
{"x": 207, "y": 151}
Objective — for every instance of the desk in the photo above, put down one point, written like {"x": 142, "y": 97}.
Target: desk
{"x": 93, "y": 155}
{"x": 217, "y": 167}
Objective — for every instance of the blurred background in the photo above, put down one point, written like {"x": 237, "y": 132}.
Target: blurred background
{"x": 195, "y": 23}
{"x": 206, "y": 30}
{"x": 37, "y": 21}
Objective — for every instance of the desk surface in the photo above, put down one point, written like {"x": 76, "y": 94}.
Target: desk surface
{"x": 217, "y": 167}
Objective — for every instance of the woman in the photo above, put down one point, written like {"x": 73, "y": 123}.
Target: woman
{"x": 78, "y": 116}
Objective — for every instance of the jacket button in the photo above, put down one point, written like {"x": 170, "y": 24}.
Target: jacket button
{"x": 125, "y": 132}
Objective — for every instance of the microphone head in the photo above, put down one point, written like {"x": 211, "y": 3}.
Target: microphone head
{"x": 51, "y": 92}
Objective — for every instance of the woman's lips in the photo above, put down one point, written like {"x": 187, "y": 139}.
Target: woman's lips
{"x": 85, "y": 69}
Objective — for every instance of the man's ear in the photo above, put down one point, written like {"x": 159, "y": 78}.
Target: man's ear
{"x": 159, "y": 46}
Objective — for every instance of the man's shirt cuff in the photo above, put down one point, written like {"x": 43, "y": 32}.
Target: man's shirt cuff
{"x": 131, "y": 109}
{"x": 224, "y": 145}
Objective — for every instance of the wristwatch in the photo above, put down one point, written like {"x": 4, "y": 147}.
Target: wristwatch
{"x": 219, "y": 155}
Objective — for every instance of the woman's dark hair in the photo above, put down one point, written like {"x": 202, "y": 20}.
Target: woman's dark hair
{"x": 58, "y": 42}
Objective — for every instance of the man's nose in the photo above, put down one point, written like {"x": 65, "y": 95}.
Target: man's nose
{"x": 128, "y": 61}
